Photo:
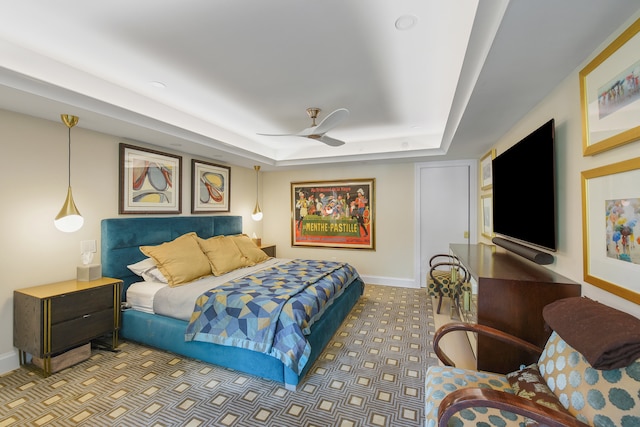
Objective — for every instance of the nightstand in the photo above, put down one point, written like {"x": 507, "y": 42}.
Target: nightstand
{"x": 269, "y": 249}
{"x": 51, "y": 319}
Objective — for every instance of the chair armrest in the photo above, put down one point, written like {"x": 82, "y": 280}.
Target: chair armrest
{"x": 483, "y": 330}
{"x": 481, "y": 397}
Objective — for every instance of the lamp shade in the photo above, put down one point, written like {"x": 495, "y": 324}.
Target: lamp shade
{"x": 69, "y": 218}
{"x": 257, "y": 213}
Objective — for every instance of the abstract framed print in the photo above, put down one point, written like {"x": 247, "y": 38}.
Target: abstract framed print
{"x": 150, "y": 181}
{"x": 210, "y": 187}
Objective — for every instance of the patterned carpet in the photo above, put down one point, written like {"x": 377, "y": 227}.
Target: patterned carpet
{"x": 370, "y": 374}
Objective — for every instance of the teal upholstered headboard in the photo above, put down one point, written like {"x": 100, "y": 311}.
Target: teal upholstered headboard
{"x": 122, "y": 238}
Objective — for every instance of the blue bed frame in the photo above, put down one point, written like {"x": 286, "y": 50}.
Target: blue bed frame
{"x": 121, "y": 239}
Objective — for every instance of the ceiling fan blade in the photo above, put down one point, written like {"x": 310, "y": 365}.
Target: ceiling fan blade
{"x": 318, "y": 132}
{"x": 331, "y": 121}
{"x": 308, "y": 131}
{"x": 276, "y": 134}
{"x": 327, "y": 140}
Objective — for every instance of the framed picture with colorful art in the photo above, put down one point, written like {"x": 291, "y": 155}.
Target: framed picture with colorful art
{"x": 334, "y": 214}
{"x": 210, "y": 187}
{"x": 610, "y": 94}
{"x": 611, "y": 227}
{"x": 150, "y": 181}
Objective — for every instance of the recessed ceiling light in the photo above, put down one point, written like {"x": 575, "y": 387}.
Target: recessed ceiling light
{"x": 406, "y": 22}
{"x": 158, "y": 85}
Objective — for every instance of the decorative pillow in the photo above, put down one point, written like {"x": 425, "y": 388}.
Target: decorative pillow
{"x": 596, "y": 397}
{"x": 223, "y": 254}
{"x": 181, "y": 260}
{"x": 254, "y": 254}
{"x": 528, "y": 383}
{"x": 148, "y": 270}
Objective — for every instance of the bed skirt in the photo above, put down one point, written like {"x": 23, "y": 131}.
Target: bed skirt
{"x": 168, "y": 334}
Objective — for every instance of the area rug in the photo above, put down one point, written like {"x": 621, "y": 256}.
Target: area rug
{"x": 370, "y": 374}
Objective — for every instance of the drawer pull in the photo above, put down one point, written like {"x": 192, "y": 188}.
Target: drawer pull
{"x": 86, "y": 316}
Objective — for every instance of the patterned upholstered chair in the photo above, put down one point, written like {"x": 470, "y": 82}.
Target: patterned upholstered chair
{"x": 598, "y": 385}
{"x": 446, "y": 278}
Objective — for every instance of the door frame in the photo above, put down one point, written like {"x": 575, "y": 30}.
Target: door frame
{"x": 473, "y": 206}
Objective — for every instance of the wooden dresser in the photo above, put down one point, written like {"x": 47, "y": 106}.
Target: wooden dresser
{"x": 509, "y": 294}
{"x": 51, "y": 319}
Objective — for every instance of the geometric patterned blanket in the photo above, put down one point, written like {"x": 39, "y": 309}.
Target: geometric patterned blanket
{"x": 271, "y": 310}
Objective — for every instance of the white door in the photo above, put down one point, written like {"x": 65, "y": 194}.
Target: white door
{"x": 447, "y": 209}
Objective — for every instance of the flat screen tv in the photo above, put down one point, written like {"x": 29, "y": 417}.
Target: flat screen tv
{"x": 524, "y": 190}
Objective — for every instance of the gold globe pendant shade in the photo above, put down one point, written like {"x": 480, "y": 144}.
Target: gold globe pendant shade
{"x": 257, "y": 213}
{"x": 69, "y": 218}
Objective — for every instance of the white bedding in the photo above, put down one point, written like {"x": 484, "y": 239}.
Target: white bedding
{"x": 140, "y": 295}
{"x": 178, "y": 302}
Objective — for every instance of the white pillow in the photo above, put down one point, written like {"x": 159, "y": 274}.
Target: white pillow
{"x": 148, "y": 270}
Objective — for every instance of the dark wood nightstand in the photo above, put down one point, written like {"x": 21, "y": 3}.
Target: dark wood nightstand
{"x": 269, "y": 249}
{"x": 51, "y": 319}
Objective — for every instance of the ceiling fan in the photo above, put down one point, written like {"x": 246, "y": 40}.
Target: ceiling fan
{"x": 318, "y": 131}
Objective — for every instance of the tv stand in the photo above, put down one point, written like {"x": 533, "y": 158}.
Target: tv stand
{"x": 509, "y": 293}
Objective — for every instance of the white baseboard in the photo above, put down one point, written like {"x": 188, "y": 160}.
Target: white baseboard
{"x": 390, "y": 281}
{"x": 9, "y": 362}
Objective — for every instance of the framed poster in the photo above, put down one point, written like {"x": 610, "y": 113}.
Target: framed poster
{"x": 486, "y": 171}
{"x": 610, "y": 94}
{"x": 611, "y": 228}
{"x": 210, "y": 187}
{"x": 336, "y": 214}
{"x": 149, "y": 181}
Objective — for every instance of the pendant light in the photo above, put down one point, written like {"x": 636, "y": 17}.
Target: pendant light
{"x": 257, "y": 213}
{"x": 69, "y": 219}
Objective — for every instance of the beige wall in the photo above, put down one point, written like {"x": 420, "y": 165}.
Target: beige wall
{"x": 564, "y": 105}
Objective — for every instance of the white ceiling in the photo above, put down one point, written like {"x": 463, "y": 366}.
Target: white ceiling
{"x": 449, "y": 86}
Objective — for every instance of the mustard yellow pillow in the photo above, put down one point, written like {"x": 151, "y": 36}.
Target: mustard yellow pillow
{"x": 253, "y": 253}
{"x": 224, "y": 256}
{"x": 181, "y": 260}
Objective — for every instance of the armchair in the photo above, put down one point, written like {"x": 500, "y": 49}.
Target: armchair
{"x": 574, "y": 382}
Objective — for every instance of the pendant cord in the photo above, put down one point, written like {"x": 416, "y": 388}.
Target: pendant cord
{"x": 69, "y": 157}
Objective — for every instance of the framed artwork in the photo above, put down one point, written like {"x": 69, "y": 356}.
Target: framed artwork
{"x": 487, "y": 215}
{"x": 610, "y": 95}
{"x": 611, "y": 228}
{"x": 335, "y": 214}
{"x": 150, "y": 181}
{"x": 486, "y": 171}
{"x": 210, "y": 187}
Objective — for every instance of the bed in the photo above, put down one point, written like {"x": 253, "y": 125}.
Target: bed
{"x": 120, "y": 247}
